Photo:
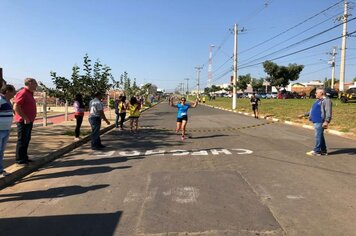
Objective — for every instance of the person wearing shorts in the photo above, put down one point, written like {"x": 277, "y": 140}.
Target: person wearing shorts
{"x": 254, "y": 102}
{"x": 134, "y": 109}
{"x": 182, "y": 116}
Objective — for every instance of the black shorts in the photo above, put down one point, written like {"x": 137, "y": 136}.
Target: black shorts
{"x": 182, "y": 118}
{"x": 254, "y": 107}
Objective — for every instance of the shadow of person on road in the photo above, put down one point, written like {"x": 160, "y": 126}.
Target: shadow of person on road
{"x": 209, "y": 136}
{"x": 79, "y": 224}
{"x": 50, "y": 193}
{"x": 76, "y": 172}
{"x": 349, "y": 151}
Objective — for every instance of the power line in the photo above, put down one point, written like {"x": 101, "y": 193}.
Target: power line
{"x": 297, "y": 43}
{"x": 302, "y": 50}
{"x": 293, "y": 27}
{"x": 293, "y": 37}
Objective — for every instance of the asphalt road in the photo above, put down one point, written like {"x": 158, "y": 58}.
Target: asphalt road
{"x": 235, "y": 175}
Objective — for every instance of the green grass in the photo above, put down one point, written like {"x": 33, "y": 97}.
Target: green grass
{"x": 344, "y": 114}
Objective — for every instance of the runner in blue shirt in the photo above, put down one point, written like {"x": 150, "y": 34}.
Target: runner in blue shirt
{"x": 182, "y": 116}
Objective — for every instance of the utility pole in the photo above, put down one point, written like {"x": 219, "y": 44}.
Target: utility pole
{"x": 210, "y": 73}
{"x": 343, "y": 48}
{"x": 44, "y": 109}
{"x": 235, "y": 69}
{"x": 332, "y": 62}
{"x": 198, "y": 68}
{"x": 187, "y": 88}
{"x": 1, "y": 78}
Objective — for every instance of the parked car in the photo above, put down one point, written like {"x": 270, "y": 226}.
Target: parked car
{"x": 262, "y": 95}
{"x": 348, "y": 95}
{"x": 331, "y": 93}
{"x": 271, "y": 95}
{"x": 285, "y": 95}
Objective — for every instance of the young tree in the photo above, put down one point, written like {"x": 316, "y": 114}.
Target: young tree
{"x": 257, "y": 84}
{"x": 243, "y": 82}
{"x": 280, "y": 76}
{"x": 87, "y": 84}
{"x": 327, "y": 82}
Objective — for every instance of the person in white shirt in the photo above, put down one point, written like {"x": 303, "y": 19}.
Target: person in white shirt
{"x": 96, "y": 114}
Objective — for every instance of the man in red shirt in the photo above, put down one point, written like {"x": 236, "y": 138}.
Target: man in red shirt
{"x": 25, "y": 114}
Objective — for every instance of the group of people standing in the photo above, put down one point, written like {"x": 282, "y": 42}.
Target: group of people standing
{"x": 96, "y": 114}
{"x": 24, "y": 113}
{"x": 134, "y": 108}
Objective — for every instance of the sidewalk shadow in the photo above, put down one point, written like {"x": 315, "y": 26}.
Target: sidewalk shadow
{"x": 350, "y": 151}
{"x": 81, "y": 224}
{"x": 50, "y": 193}
{"x": 87, "y": 162}
{"x": 76, "y": 172}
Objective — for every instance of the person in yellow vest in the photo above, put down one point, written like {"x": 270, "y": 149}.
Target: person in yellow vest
{"x": 134, "y": 109}
{"x": 203, "y": 99}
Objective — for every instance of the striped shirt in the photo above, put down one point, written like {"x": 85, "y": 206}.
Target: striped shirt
{"x": 6, "y": 113}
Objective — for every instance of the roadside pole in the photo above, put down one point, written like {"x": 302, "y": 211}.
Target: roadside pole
{"x": 235, "y": 70}
{"x": 198, "y": 68}
{"x": 44, "y": 109}
{"x": 66, "y": 111}
{"x": 343, "y": 48}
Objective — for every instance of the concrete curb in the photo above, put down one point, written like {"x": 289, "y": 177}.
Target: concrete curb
{"x": 329, "y": 131}
{"x": 18, "y": 172}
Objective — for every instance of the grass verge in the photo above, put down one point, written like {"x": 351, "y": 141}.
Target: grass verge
{"x": 344, "y": 114}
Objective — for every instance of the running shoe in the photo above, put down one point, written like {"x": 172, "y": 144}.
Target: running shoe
{"x": 182, "y": 137}
{"x": 313, "y": 153}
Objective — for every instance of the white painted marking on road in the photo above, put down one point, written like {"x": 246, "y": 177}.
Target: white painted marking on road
{"x": 129, "y": 154}
{"x": 217, "y": 152}
{"x": 200, "y": 153}
{"x": 295, "y": 197}
{"x": 179, "y": 152}
{"x": 242, "y": 151}
{"x": 103, "y": 154}
{"x": 152, "y": 194}
{"x": 155, "y": 153}
{"x": 183, "y": 195}
{"x": 132, "y": 197}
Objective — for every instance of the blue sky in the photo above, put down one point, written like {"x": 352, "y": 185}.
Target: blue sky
{"x": 161, "y": 41}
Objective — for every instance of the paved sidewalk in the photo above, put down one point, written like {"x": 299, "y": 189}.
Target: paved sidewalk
{"x": 48, "y": 143}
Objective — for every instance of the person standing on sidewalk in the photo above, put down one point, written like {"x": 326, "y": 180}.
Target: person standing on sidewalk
{"x": 320, "y": 114}
{"x": 25, "y": 114}
{"x": 122, "y": 107}
{"x": 6, "y": 116}
{"x": 96, "y": 109}
{"x": 79, "y": 107}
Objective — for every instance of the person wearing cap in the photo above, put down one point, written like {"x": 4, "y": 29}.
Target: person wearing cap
{"x": 320, "y": 114}
{"x": 25, "y": 114}
{"x": 96, "y": 114}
